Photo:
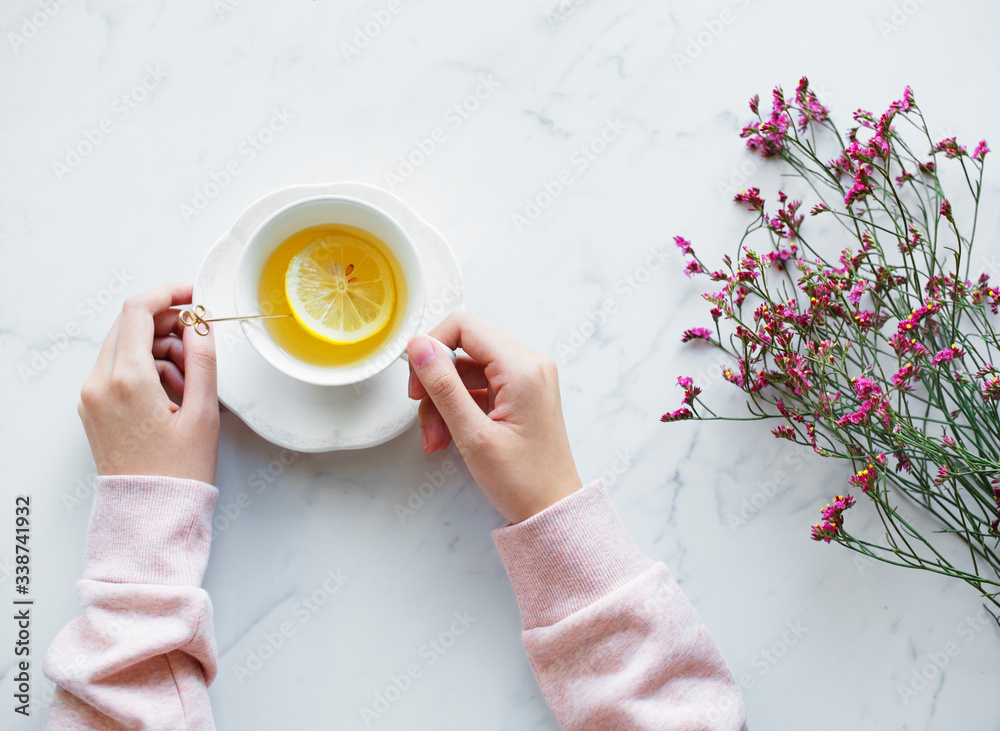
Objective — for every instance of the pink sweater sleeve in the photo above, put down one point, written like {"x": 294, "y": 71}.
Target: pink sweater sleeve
{"x": 613, "y": 641}
{"x": 142, "y": 653}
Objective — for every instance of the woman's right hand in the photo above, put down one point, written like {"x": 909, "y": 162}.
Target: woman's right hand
{"x": 133, "y": 426}
{"x": 501, "y": 406}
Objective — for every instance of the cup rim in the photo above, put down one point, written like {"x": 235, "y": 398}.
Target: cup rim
{"x": 246, "y": 304}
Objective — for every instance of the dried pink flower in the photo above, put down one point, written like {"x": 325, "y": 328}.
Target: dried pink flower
{"x": 696, "y": 333}
{"x": 751, "y": 198}
{"x": 947, "y": 355}
{"x": 991, "y": 389}
{"x": 692, "y": 268}
{"x": 901, "y": 378}
{"x": 950, "y": 147}
{"x": 833, "y": 512}
{"x": 866, "y": 477}
{"x": 946, "y": 211}
{"x": 679, "y": 415}
{"x": 784, "y": 432}
{"x": 826, "y": 532}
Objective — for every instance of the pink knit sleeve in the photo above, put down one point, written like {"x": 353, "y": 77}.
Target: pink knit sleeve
{"x": 613, "y": 641}
{"x": 143, "y": 651}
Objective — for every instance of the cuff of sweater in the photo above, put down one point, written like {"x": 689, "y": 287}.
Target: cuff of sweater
{"x": 568, "y": 556}
{"x": 149, "y": 530}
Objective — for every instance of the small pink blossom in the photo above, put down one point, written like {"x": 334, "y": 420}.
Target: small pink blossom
{"x": 980, "y": 152}
{"x": 946, "y": 211}
{"x": 810, "y": 108}
{"x": 902, "y": 462}
{"x": 767, "y": 137}
{"x": 866, "y": 320}
{"x": 751, "y": 199}
{"x": 950, "y": 147}
{"x": 826, "y": 532}
{"x": 796, "y": 369}
{"x": 865, "y": 478}
{"x": 791, "y": 415}
{"x": 854, "y": 296}
{"x": 857, "y": 192}
{"x": 915, "y": 240}
{"x": 904, "y": 345}
{"x": 864, "y": 118}
{"x": 833, "y": 512}
{"x": 947, "y": 355}
{"x": 784, "y": 432}
{"x": 696, "y": 333}
{"x": 916, "y": 316}
{"x": 988, "y": 368}
{"x": 856, "y": 418}
{"x": 901, "y": 378}
{"x": 679, "y": 415}
{"x": 904, "y": 104}
{"x": 991, "y": 389}
{"x": 865, "y": 387}
{"x": 693, "y": 267}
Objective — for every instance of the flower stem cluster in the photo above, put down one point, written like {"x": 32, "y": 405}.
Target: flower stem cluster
{"x": 884, "y": 348}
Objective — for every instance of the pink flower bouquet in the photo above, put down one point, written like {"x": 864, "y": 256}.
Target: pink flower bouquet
{"x": 884, "y": 357}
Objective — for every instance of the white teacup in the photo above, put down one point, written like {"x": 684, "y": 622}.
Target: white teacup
{"x": 314, "y": 212}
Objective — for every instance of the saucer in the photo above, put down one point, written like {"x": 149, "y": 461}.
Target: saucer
{"x": 301, "y": 416}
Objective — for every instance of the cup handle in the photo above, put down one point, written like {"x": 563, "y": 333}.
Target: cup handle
{"x": 451, "y": 353}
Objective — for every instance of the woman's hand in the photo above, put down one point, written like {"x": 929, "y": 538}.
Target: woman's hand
{"x": 502, "y": 408}
{"x": 133, "y": 426}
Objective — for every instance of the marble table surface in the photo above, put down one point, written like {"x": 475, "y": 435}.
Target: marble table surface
{"x": 562, "y": 142}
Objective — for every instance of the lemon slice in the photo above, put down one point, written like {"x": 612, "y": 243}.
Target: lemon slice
{"x": 340, "y": 289}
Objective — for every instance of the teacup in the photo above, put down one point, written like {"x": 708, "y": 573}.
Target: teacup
{"x": 318, "y": 211}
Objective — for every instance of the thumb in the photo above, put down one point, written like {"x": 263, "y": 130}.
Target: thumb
{"x": 439, "y": 378}
{"x": 201, "y": 393}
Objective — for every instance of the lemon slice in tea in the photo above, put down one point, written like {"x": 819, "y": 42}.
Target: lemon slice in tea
{"x": 340, "y": 289}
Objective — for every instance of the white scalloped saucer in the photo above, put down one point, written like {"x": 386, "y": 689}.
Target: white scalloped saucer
{"x": 301, "y": 416}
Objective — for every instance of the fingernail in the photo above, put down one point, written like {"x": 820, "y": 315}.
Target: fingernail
{"x": 422, "y": 351}
{"x": 423, "y": 439}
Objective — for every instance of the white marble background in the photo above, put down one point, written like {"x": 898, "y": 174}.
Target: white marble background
{"x": 224, "y": 67}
